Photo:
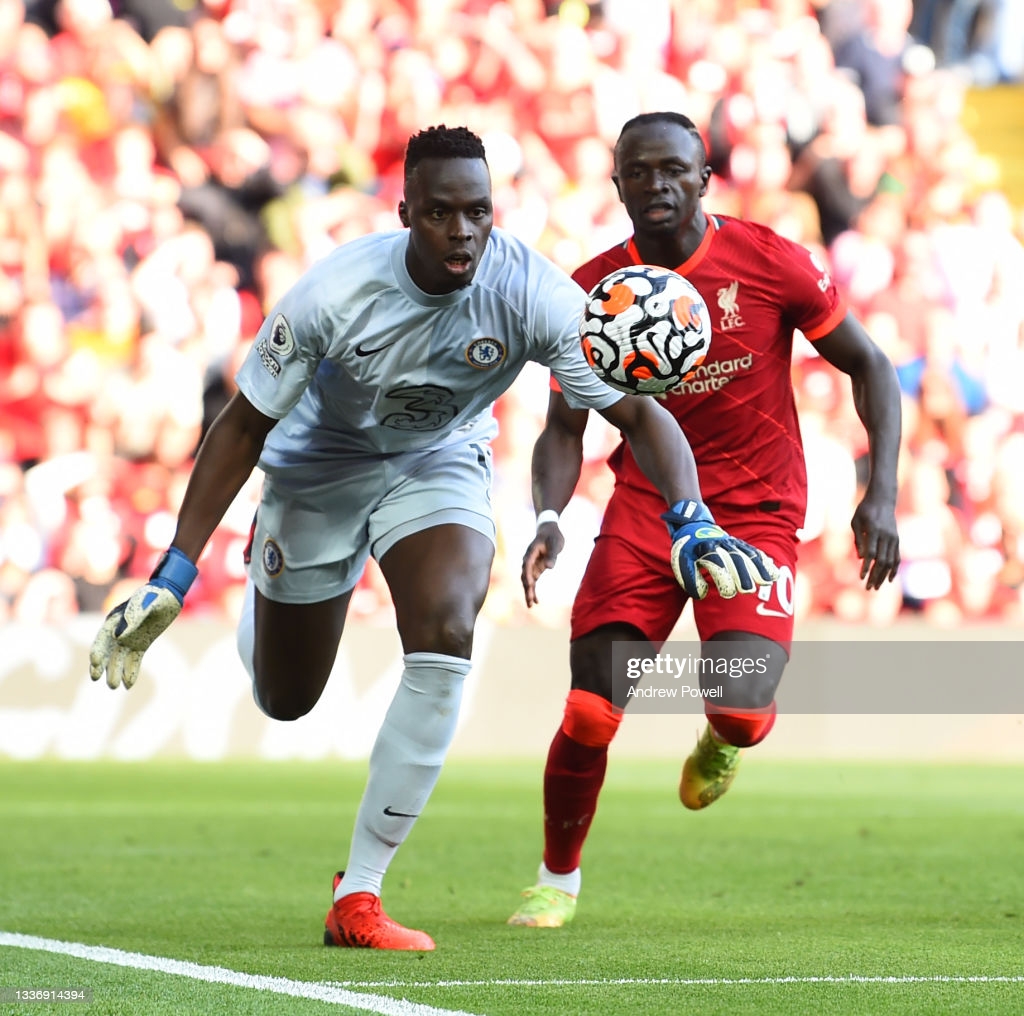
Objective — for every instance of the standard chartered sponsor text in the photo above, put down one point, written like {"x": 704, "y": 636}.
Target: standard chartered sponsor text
{"x": 710, "y": 377}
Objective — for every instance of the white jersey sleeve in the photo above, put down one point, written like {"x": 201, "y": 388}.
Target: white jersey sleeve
{"x": 557, "y": 304}
{"x": 286, "y": 353}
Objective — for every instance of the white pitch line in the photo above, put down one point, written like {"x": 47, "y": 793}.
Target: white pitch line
{"x": 694, "y": 981}
{"x": 320, "y": 991}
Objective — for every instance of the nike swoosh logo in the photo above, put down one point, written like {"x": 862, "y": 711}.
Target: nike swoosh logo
{"x": 708, "y": 533}
{"x": 398, "y": 814}
{"x": 768, "y": 612}
{"x": 360, "y": 351}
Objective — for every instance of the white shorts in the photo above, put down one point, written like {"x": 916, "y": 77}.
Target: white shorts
{"x": 311, "y": 542}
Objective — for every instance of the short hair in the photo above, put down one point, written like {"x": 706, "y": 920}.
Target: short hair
{"x": 442, "y": 142}
{"x": 664, "y": 117}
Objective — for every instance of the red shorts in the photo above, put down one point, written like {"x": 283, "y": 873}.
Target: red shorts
{"x": 629, "y": 578}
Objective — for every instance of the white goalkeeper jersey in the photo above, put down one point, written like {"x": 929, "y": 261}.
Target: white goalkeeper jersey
{"x": 357, "y": 362}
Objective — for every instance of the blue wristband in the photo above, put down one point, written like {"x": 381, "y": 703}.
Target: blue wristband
{"x": 175, "y": 572}
{"x": 686, "y": 513}
{"x": 691, "y": 511}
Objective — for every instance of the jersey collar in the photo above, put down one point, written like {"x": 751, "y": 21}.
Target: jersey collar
{"x": 694, "y": 259}
{"x": 411, "y": 290}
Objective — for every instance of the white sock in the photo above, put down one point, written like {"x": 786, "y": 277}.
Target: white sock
{"x": 568, "y": 883}
{"x": 245, "y": 638}
{"x": 404, "y": 765}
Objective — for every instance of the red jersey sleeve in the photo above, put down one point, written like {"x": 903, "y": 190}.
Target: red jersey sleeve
{"x": 813, "y": 304}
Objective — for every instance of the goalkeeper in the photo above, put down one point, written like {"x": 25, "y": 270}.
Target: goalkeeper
{"x": 366, "y": 399}
{"x": 739, "y": 415}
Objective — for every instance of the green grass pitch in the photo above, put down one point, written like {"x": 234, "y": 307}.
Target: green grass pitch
{"x": 804, "y": 871}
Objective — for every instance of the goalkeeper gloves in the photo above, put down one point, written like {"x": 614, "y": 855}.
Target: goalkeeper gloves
{"x": 131, "y": 627}
{"x": 702, "y": 551}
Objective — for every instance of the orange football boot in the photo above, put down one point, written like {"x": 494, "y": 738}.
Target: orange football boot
{"x": 357, "y": 921}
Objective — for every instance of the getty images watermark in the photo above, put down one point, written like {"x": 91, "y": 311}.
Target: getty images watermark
{"x": 710, "y": 673}
{"x": 937, "y": 676}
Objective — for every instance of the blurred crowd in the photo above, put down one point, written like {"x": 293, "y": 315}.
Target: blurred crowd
{"x": 983, "y": 40}
{"x": 167, "y": 170}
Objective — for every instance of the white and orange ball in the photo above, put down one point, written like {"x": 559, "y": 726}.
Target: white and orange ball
{"x": 644, "y": 329}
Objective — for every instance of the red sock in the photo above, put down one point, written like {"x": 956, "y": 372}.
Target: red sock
{"x": 572, "y": 782}
{"x": 742, "y": 727}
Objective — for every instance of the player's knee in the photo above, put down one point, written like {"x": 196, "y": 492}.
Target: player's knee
{"x": 589, "y": 661}
{"x": 453, "y": 636}
{"x": 259, "y": 703}
{"x": 742, "y": 728}
{"x": 590, "y": 719}
{"x": 278, "y": 705}
{"x": 283, "y": 696}
{"x": 448, "y": 631}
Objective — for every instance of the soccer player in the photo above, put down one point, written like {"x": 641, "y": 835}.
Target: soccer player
{"x": 366, "y": 400}
{"x": 739, "y": 415}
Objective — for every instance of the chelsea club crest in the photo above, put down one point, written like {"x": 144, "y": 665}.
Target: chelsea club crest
{"x": 485, "y": 353}
{"x": 273, "y": 559}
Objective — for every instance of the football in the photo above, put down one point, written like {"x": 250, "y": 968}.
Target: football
{"x": 644, "y": 329}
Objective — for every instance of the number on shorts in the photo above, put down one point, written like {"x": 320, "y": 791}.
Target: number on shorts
{"x": 783, "y": 587}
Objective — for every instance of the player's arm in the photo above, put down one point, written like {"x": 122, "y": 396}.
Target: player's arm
{"x": 557, "y": 460}
{"x": 228, "y": 455}
{"x": 658, "y": 445}
{"x": 876, "y": 396}
{"x": 226, "y": 459}
{"x": 702, "y": 552}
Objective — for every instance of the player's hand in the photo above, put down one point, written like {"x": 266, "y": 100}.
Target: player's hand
{"x": 703, "y": 552}
{"x": 539, "y": 557}
{"x": 132, "y": 627}
{"x": 877, "y": 541}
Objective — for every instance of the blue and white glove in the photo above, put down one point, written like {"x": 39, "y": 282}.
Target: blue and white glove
{"x": 702, "y": 551}
{"x": 132, "y": 627}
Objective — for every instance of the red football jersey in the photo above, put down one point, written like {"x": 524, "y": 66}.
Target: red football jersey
{"x": 738, "y": 410}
